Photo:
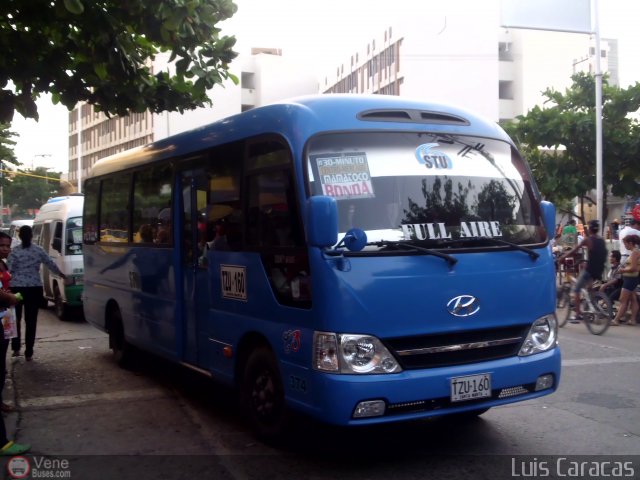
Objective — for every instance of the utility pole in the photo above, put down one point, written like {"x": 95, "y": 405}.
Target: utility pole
{"x": 79, "y": 189}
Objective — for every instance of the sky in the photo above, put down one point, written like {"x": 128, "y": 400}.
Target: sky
{"x": 322, "y": 35}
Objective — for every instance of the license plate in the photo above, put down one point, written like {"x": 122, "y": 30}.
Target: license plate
{"x": 470, "y": 387}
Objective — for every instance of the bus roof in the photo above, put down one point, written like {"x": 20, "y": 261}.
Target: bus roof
{"x": 64, "y": 205}
{"x": 300, "y": 118}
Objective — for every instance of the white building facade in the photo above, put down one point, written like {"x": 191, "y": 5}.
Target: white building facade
{"x": 500, "y": 73}
{"x": 447, "y": 58}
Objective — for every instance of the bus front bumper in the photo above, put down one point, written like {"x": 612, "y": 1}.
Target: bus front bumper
{"x": 414, "y": 394}
{"x": 73, "y": 294}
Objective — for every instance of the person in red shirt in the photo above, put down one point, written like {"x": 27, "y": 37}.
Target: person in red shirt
{"x": 7, "y": 299}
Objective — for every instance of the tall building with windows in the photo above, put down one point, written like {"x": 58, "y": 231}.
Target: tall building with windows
{"x": 265, "y": 76}
{"x": 497, "y": 72}
{"x": 531, "y": 61}
{"x": 443, "y": 58}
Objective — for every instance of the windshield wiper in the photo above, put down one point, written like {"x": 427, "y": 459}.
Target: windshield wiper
{"x": 497, "y": 241}
{"x": 411, "y": 247}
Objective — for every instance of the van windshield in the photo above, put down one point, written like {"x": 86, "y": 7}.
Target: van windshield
{"x": 74, "y": 236}
{"x": 426, "y": 188}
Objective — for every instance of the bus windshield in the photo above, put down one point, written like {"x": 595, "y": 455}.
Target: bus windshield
{"x": 74, "y": 236}
{"x": 427, "y": 188}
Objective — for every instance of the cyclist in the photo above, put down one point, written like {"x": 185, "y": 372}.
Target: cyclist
{"x": 596, "y": 258}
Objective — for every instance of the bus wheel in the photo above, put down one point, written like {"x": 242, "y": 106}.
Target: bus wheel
{"x": 60, "y": 307}
{"x": 119, "y": 347}
{"x": 262, "y": 395}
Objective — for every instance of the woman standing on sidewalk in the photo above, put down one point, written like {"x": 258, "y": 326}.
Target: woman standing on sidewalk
{"x": 24, "y": 264}
{"x": 6, "y": 299}
{"x": 630, "y": 277}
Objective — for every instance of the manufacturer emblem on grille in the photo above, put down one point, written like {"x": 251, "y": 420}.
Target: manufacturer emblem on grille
{"x": 463, "y": 305}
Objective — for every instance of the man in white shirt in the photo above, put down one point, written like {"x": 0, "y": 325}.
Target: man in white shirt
{"x": 632, "y": 229}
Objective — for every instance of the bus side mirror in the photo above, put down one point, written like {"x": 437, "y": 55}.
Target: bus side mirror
{"x": 57, "y": 245}
{"x": 322, "y": 217}
{"x": 549, "y": 217}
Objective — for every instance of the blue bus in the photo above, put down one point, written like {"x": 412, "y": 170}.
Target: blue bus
{"x": 359, "y": 259}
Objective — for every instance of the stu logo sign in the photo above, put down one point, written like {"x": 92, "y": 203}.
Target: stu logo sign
{"x": 431, "y": 158}
{"x": 433, "y": 231}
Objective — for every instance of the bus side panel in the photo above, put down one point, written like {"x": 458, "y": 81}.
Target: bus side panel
{"x": 285, "y": 329}
{"x": 93, "y": 303}
{"x": 140, "y": 282}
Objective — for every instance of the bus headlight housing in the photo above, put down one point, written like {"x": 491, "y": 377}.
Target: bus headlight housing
{"x": 352, "y": 353}
{"x": 542, "y": 336}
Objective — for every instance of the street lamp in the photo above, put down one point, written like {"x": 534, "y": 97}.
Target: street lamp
{"x": 42, "y": 155}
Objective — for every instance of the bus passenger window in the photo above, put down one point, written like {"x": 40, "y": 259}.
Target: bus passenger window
{"x": 224, "y": 212}
{"x": 151, "y": 199}
{"x": 90, "y": 214}
{"x": 114, "y": 214}
{"x": 272, "y": 220}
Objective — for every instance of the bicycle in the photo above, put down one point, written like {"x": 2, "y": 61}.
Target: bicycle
{"x": 567, "y": 270}
{"x": 596, "y": 307}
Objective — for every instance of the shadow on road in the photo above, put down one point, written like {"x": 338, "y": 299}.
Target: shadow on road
{"x": 307, "y": 437}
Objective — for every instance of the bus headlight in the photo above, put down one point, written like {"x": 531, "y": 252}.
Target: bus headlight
{"x": 542, "y": 336}
{"x": 352, "y": 353}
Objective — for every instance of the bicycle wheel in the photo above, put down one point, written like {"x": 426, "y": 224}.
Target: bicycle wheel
{"x": 563, "y": 305}
{"x": 599, "y": 317}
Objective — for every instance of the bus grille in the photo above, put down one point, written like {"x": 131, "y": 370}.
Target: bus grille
{"x": 458, "y": 348}
{"x": 419, "y": 406}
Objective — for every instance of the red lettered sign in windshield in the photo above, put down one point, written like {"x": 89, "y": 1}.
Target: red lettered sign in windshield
{"x": 345, "y": 175}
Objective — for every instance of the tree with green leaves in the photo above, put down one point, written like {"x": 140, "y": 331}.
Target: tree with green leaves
{"x": 7, "y": 156}
{"x": 101, "y": 52}
{"x": 7, "y": 143}
{"x": 28, "y": 190}
{"x": 559, "y": 141}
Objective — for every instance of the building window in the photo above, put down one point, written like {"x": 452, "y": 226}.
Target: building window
{"x": 505, "y": 90}
{"x": 505, "y": 52}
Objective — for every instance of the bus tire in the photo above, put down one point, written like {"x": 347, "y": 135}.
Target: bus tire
{"x": 262, "y": 395}
{"x": 120, "y": 349}
{"x": 59, "y": 305}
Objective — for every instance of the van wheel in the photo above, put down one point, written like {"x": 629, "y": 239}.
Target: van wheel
{"x": 262, "y": 395}
{"x": 60, "y": 307}
{"x": 120, "y": 349}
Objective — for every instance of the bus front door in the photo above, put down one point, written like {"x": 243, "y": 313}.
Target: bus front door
{"x": 196, "y": 298}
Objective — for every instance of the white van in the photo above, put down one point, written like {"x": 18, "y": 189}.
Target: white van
{"x": 58, "y": 229}
{"x": 14, "y": 229}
